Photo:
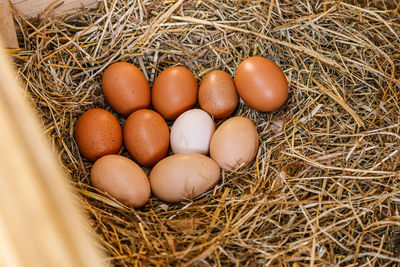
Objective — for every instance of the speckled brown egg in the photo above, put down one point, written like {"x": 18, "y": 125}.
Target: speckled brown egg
{"x": 146, "y": 137}
{"x": 121, "y": 178}
{"x": 217, "y": 94}
{"x": 174, "y": 91}
{"x": 125, "y": 88}
{"x": 234, "y": 143}
{"x": 98, "y": 133}
{"x": 261, "y": 83}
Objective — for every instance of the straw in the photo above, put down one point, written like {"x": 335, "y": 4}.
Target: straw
{"x": 324, "y": 188}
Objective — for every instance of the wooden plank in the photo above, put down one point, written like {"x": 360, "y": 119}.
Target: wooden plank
{"x": 33, "y": 8}
{"x": 41, "y": 8}
{"x": 7, "y": 29}
{"x": 40, "y": 222}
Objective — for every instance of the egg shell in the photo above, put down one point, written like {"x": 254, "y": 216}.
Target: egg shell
{"x": 234, "y": 143}
{"x": 125, "y": 88}
{"x": 217, "y": 94}
{"x": 192, "y": 132}
{"x": 122, "y": 178}
{"x": 183, "y": 176}
{"x": 98, "y": 133}
{"x": 261, "y": 84}
{"x": 174, "y": 91}
{"x": 146, "y": 137}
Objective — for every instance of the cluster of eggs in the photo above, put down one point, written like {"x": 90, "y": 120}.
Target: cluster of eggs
{"x": 199, "y": 149}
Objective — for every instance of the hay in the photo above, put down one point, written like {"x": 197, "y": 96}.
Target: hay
{"x": 324, "y": 188}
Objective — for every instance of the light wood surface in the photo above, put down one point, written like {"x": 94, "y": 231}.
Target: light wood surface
{"x": 33, "y": 8}
{"x": 40, "y": 223}
{"x": 7, "y": 30}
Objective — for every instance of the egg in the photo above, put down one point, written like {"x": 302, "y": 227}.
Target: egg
{"x": 183, "y": 176}
{"x": 125, "y": 88}
{"x": 217, "y": 94}
{"x": 192, "y": 132}
{"x": 261, "y": 84}
{"x": 98, "y": 133}
{"x": 146, "y": 137}
{"x": 174, "y": 91}
{"x": 122, "y": 179}
{"x": 234, "y": 143}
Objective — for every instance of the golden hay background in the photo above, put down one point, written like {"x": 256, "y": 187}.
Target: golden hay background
{"x": 325, "y": 188}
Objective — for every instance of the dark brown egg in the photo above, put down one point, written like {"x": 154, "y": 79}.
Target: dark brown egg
{"x": 261, "y": 83}
{"x": 146, "y": 137}
{"x": 174, "y": 91}
{"x": 217, "y": 94}
{"x": 125, "y": 88}
{"x": 98, "y": 133}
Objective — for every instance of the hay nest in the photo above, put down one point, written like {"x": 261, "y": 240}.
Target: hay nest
{"x": 324, "y": 188}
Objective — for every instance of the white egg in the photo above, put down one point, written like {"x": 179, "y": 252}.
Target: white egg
{"x": 192, "y": 132}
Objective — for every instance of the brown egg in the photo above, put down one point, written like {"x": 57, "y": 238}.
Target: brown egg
{"x": 235, "y": 143}
{"x": 122, "y": 178}
{"x": 146, "y": 137}
{"x": 98, "y": 133}
{"x": 125, "y": 88}
{"x": 217, "y": 94}
{"x": 183, "y": 176}
{"x": 261, "y": 83}
{"x": 174, "y": 91}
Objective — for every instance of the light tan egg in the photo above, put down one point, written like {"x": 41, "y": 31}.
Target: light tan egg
{"x": 183, "y": 177}
{"x": 234, "y": 143}
{"x": 122, "y": 178}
